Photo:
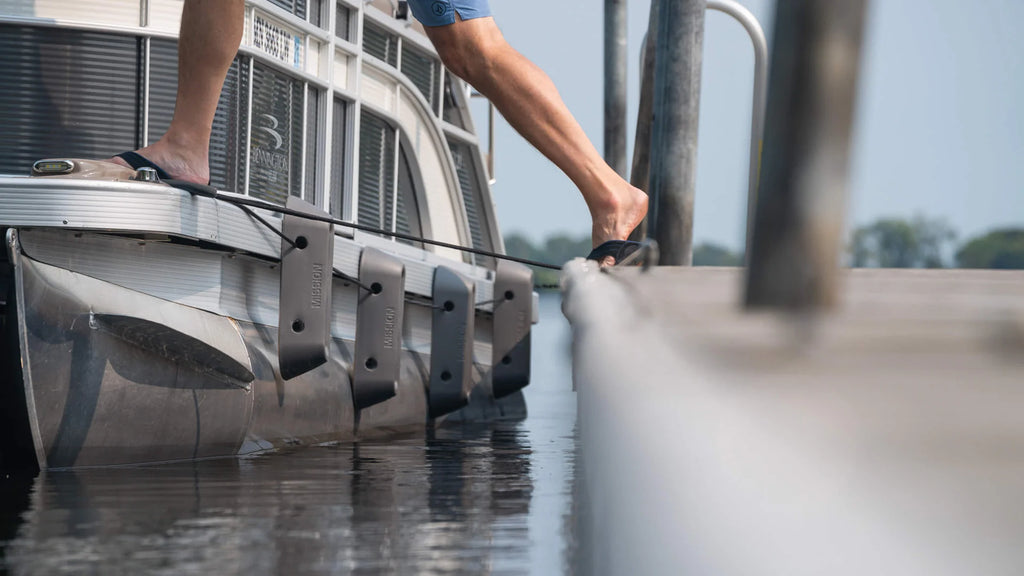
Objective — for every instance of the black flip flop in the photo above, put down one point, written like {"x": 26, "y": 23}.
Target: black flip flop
{"x": 618, "y": 249}
{"x": 136, "y": 161}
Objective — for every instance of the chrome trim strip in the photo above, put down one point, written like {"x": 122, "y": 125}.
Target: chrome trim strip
{"x": 14, "y": 252}
{"x": 248, "y": 130}
{"x": 146, "y": 42}
{"x": 135, "y": 207}
{"x": 305, "y": 146}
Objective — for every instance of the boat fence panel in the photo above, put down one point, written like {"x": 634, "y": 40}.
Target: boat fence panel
{"x": 315, "y": 14}
{"x": 379, "y": 43}
{"x": 275, "y": 144}
{"x": 339, "y": 154}
{"x": 376, "y": 168}
{"x": 379, "y": 89}
{"x": 163, "y": 86}
{"x": 312, "y": 147}
{"x": 343, "y": 22}
{"x": 451, "y": 112}
{"x": 297, "y": 7}
{"x": 407, "y": 221}
{"x": 230, "y": 125}
{"x": 227, "y": 155}
{"x": 104, "y": 12}
{"x": 342, "y": 65}
{"x": 164, "y": 15}
{"x": 469, "y": 182}
{"x": 66, "y": 93}
{"x": 423, "y": 71}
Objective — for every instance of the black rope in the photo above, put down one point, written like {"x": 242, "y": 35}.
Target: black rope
{"x": 291, "y": 242}
{"x": 243, "y": 203}
{"x": 245, "y": 208}
{"x": 269, "y": 226}
{"x": 348, "y": 278}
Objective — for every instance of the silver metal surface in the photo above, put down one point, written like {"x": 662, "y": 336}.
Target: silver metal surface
{"x": 138, "y": 207}
{"x": 52, "y": 167}
{"x": 102, "y": 399}
{"x": 146, "y": 174}
{"x": 756, "y": 32}
{"x": 108, "y": 396}
{"x": 13, "y": 248}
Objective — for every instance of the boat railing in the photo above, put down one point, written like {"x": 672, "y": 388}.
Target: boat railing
{"x": 490, "y": 136}
{"x": 641, "y": 160}
{"x": 757, "y": 37}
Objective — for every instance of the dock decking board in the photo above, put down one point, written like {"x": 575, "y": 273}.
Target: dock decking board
{"x": 886, "y": 436}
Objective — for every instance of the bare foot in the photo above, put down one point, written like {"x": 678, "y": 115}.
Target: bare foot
{"x": 618, "y": 216}
{"x": 189, "y": 163}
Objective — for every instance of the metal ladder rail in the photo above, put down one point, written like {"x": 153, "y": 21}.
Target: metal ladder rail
{"x": 757, "y": 37}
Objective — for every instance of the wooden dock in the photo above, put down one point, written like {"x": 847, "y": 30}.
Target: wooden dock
{"x": 885, "y": 437}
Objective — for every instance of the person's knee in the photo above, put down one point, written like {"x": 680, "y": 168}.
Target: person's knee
{"x": 470, "y": 54}
{"x": 469, "y": 64}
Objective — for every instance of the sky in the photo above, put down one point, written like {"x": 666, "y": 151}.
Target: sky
{"x": 939, "y": 128}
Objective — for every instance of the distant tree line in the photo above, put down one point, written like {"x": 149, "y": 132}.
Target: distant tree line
{"x": 919, "y": 242}
{"x": 931, "y": 243}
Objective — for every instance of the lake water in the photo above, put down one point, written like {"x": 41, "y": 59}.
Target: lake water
{"x": 495, "y": 498}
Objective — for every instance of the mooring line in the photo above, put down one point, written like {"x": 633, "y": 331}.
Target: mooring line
{"x": 244, "y": 203}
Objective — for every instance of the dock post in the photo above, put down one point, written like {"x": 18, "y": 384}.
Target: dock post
{"x": 615, "y": 70}
{"x": 677, "y": 82}
{"x": 640, "y": 173}
{"x": 797, "y": 239}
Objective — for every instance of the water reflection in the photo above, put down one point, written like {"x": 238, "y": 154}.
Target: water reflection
{"x": 478, "y": 499}
{"x": 436, "y": 505}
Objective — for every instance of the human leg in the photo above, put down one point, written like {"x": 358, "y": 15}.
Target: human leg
{"x": 476, "y": 51}
{"x": 211, "y": 31}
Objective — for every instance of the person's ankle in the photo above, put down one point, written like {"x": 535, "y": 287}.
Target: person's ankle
{"x": 185, "y": 145}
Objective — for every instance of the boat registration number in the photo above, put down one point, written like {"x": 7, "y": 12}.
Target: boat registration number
{"x": 277, "y": 42}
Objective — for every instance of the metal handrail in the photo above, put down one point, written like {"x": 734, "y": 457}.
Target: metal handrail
{"x": 490, "y": 134}
{"x": 757, "y": 37}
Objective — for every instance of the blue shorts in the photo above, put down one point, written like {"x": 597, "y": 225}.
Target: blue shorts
{"x": 442, "y": 12}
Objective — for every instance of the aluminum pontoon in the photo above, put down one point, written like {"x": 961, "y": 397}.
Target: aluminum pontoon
{"x": 146, "y": 322}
